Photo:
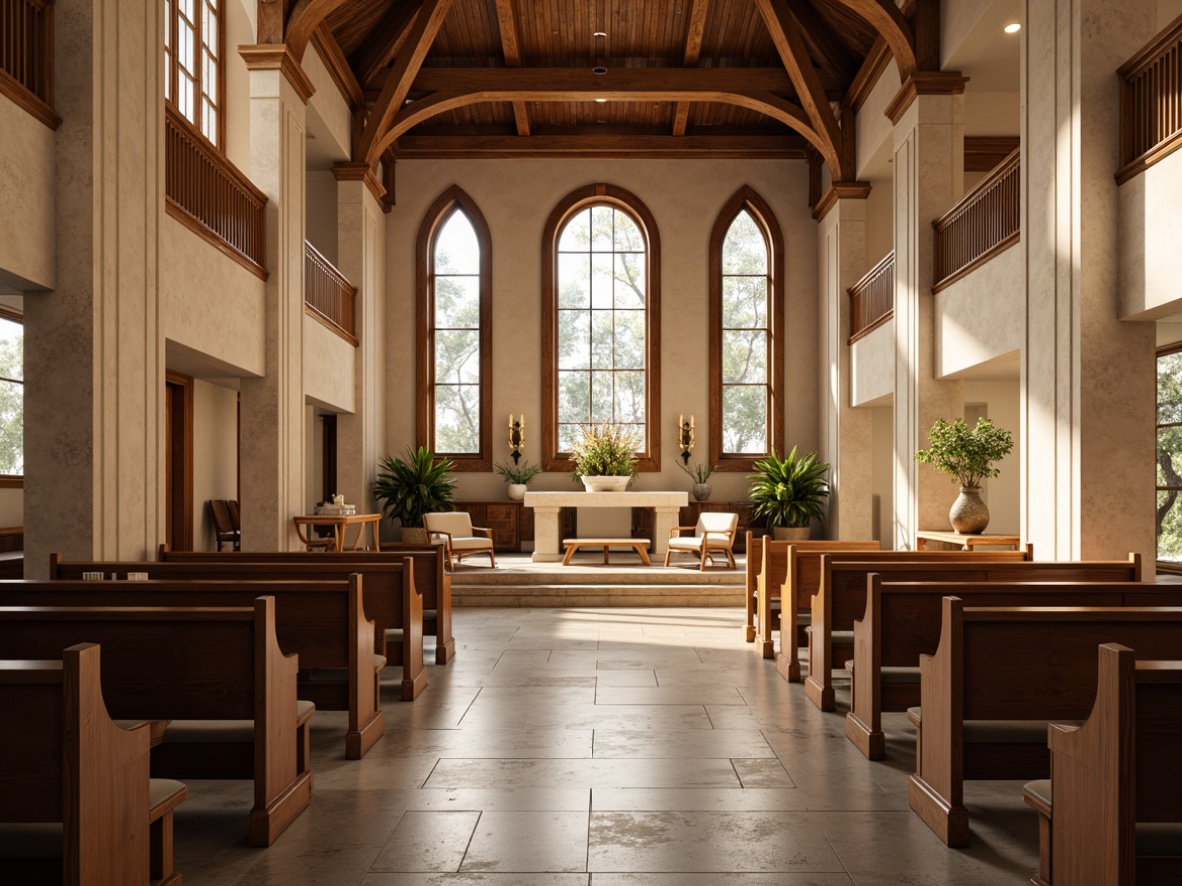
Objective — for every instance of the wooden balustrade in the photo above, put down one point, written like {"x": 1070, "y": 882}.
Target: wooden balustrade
{"x": 328, "y": 296}
{"x": 208, "y": 194}
{"x": 1151, "y": 103}
{"x": 26, "y": 57}
{"x": 872, "y": 299}
{"x": 985, "y": 222}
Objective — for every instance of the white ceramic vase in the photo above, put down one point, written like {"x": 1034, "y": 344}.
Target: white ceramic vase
{"x": 517, "y": 491}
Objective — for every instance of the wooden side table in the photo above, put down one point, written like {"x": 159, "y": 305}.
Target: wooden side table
{"x": 966, "y": 542}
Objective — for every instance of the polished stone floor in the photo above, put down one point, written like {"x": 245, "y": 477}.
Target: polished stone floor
{"x": 606, "y": 747}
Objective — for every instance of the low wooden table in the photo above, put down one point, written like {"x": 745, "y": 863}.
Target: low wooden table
{"x": 340, "y": 524}
{"x": 966, "y": 542}
{"x": 640, "y": 545}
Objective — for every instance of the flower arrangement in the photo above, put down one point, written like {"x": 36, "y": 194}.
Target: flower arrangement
{"x": 967, "y": 455}
{"x": 605, "y": 449}
{"x": 519, "y": 474}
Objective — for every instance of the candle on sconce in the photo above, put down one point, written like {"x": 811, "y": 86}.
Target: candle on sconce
{"x": 516, "y": 436}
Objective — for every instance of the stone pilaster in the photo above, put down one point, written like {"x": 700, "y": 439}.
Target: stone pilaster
{"x": 1088, "y": 384}
{"x": 94, "y": 359}
{"x": 846, "y": 431}
{"x": 272, "y": 423}
{"x": 928, "y": 178}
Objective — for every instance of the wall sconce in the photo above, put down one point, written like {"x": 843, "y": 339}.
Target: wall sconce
{"x": 516, "y": 436}
{"x": 685, "y": 437}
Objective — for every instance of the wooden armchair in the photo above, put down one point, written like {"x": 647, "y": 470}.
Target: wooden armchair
{"x": 455, "y": 529}
{"x": 227, "y": 528}
{"x": 714, "y": 534}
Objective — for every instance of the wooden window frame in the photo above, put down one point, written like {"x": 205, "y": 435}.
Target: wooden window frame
{"x": 600, "y": 194}
{"x": 451, "y": 200}
{"x": 746, "y": 199}
{"x": 13, "y": 481}
{"x": 1162, "y": 565}
{"x": 172, "y": 76}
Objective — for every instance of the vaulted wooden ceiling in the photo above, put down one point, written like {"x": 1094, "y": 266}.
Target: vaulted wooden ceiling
{"x": 666, "y": 77}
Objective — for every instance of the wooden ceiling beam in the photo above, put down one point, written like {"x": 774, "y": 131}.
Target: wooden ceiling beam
{"x": 406, "y": 66}
{"x": 789, "y": 41}
{"x": 507, "y": 24}
{"x": 616, "y": 146}
{"x": 305, "y": 18}
{"x": 890, "y": 22}
{"x": 388, "y": 36}
{"x": 835, "y": 55}
{"x": 693, "y": 51}
{"x": 582, "y": 84}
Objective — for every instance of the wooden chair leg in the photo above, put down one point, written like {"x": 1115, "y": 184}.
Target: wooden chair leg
{"x": 702, "y": 561}
{"x": 668, "y": 552}
{"x": 492, "y": 558}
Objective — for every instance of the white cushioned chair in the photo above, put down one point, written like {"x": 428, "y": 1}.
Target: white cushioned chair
{"x": 714, "y": 534}
{"x": 455, "y": 529}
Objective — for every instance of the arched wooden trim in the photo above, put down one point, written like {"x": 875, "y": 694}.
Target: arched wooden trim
{"x": 568, "y": 206}
{"x": 451, "y": 200}
{"x": 304, "y": 20}
{"x": 747, "y": 199}
{"x": 889, "y": 21}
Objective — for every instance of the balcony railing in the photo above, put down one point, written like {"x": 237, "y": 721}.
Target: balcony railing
{"x": 1151, "y": 103}
{"x": 872, "y": 299}
{"x": 26, "y": 56}
{"x": 328, "y": 296}
{"x": 984, "y": 223}
{"x": 208, "y": 194}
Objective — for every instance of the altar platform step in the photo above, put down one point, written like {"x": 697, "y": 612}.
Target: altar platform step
{"x": 519, "y": 582}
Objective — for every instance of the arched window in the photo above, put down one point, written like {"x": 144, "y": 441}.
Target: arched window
{"x": 454, "y": 270}
{"x": 746, "y": 333}
{"x": 601, "y": 316}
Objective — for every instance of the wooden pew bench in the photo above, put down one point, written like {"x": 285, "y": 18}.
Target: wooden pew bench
{"x": 998, "y": 677}
{"x": 902, "y": 621}
{"x": 841, "y": 595}
{"x": 392, "y": 602}
{"x": 1113, "y": 811}
{"x": 217, "y": 673}
{"x": 77, "y": 806}
{"x": 430, "y": 573}
{"x": 324, "y": 623}
{"x": 784, "y": 559}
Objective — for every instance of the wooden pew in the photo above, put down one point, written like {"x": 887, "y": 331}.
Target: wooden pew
{"x": 209, "y": 664}
{"x": 324, "y": 623}
{"x": 386, "y": 603}
{"x": 62, "y": 759}
{"x": 431, "y": 577}
{"x": 1112, "y": 813}
{"x": 786, "y": 559}
{"x": 902, "y": 621}
{"x": 841, "y": 595}
{"x": 998, "y": 677}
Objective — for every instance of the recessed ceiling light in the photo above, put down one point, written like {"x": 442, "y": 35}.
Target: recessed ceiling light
{"x": 601, "y": 101}
{"x": 599, "y": 69}
{"x": 599, "y": 34}
{"x": 1013, "y": 28}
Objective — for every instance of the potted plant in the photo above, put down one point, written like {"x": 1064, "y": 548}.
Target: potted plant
{"x": 700, "y": 473}
{"x": 605, "y": 456}
{"x": 968, "y": 456}
{"x": 517, "y": 476}
{"x": 789, "y": 493}
{"x": 412, "y": 487}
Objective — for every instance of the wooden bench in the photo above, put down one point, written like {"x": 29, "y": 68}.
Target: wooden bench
{"x": 324, "y": 623}
{"x": 62, "y": 759}
{"x": 998, "y": 677}
{"x": 1112, "y": 813}
{"x": 432, "y": 579}
{"x": 218, "y": 674}
{"x": 391, "y": 598}
{"x": 902, "y": 621}
{"x": 640, "y": 545}
{"x": 763, "y": 609}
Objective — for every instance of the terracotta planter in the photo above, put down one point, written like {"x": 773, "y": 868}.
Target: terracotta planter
{"x": 969, "y": 515}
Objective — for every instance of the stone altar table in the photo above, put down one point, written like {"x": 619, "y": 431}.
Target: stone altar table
{"x": 547, "y": 541}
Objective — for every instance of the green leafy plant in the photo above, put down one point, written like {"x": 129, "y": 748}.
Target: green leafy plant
{"x": 790, "y": 492}
{"x": 414, "y": 486}
{"x": 967, "y": 455}
{"x": 699, "y": 473}
{"x": 605, "y": 450}
{"x": 520, "y": 474}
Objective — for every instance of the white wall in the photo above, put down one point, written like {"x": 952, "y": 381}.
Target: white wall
{"x": 1150, "y": 230}
{"x": 999, "y": 402}
{"x": 981, "y": 316}
{"x": 872, "y": 370}
{"x": 328, "y": 367}
{"x": 215, "y": 455}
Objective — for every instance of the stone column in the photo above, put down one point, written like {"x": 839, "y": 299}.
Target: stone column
{"x": 361, "y": 258}
{"x": 929, "y": 178}
{"x": 1088, "y": 379}
{"x": 272, "y": 424}
{"x": 846, "y": 436}
{"x": 94, "y": 359}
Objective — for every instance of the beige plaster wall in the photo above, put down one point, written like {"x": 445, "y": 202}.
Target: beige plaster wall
{"x": 991, "y": 113}
{"x": 999, "y": 401}
{"x": 981, "y": 316}
{"x": 215, "y": 455}
{"x": 1167, "y": 11}
{"x": 320, "y": 226}
{"x": 873, "y": 370}
{"x": 329, "y": 107}
{"x": 882, "y": 472}
{"x": 684, "y": 197}
{"x": 12, "y": 507}
{"x": 240, "y": 29}
{"x": 328, "y": 367}
{"x": 1150, "y": 230}
{"x": 880, "y": 234}
{"x": 27, "y": 186}
{"x": 873, "y": 126}
{"x": 210, "y": 302}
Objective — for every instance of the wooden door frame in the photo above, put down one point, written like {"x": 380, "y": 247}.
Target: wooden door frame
{"x": 180, "y": 537}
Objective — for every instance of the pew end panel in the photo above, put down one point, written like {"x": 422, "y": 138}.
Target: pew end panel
{"x": 751, "y": 575}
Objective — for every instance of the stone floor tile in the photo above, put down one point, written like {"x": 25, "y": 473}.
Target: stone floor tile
{"x": 477, "y": 879}
{"x": 528, "y": 841}
{"x": 457, "y": 773}
{"x": 762, "y": 774}
{"x": 428, "y": 841}
{"x": 727, "y": 743}
{"x": 696, "y": 800}
{"x": 674, "y": 695}
{"x": 777, "y": 879}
